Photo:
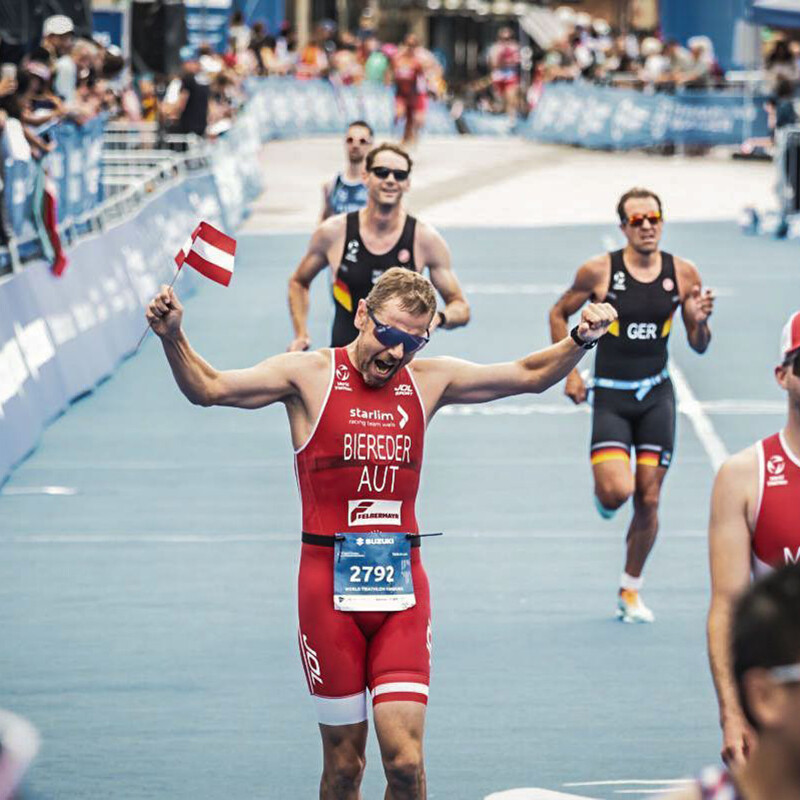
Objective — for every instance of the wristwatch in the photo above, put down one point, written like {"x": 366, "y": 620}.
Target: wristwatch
{"x": 442, "y": 318}
{"x": 576, "y": 337}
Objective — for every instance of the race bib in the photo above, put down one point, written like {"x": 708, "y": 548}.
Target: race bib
{"x": 372, "y": 572}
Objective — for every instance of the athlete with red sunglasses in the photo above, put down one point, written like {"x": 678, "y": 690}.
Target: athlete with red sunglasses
{"x": 633, "y": 400}
{"x": 358, "y": 416}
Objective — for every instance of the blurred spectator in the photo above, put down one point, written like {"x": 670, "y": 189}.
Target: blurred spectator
{"x": 781, "y": 65}
{"x": 40, "y": 105}
{"x": 239, "y": 32}
{"x": 148, "y": 100}
{"x": 780, "y": 107}
{"x": 345, "y": 61}
{"x": 699, "y": 72}
{"x": 376, "y": 64}
{"x": 186, "y": 101}
{"x": 57, "y": 34}
{"x": 656, "y": 64}
{"x": 313, "y": 60}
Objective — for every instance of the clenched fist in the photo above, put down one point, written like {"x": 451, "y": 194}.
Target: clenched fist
{"x": 164, "y": 313}
{"x": 595, "y": 320}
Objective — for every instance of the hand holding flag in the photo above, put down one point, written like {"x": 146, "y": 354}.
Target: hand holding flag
{"x": 207, "y": 250}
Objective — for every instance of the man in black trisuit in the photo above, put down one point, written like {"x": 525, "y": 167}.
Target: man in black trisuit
{"x": 362, "y": 245}
{"x": 633, "y": 399}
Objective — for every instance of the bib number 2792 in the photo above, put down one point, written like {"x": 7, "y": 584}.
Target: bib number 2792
{"x": 372, "y": 572}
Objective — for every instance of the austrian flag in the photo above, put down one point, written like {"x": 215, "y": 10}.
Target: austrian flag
{"x": 210, "y": 252}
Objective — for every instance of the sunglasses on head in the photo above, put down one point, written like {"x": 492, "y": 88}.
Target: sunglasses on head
{"x": 389, "y": 336}
{"x": 637, "y": 220}
{"x": 352, "y": 140}
{"x": 385, "y": 172}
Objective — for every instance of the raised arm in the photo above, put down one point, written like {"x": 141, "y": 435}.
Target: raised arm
{"x": 583, "y": 288}
{"x": 729, "y": 553}
{"x": 437, "y": 259}
{"x": 697, "y": 305}
{"x": 313, "y": 262}
{"x": 465, "y": 382}
{"x": 270, "y": 381}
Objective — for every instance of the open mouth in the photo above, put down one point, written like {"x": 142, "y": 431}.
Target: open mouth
{"x": 383, "y": 366}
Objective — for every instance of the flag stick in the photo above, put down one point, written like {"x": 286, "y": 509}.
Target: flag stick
{"x": 147, "y": 329}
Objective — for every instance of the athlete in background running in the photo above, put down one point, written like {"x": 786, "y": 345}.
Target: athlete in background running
{"x": 346, "y": 192}
{"x": 754, "y": 528}
{"x": 634, "y": 404}
{"x": 408, "y": 69}
{"x": 362, "y": 245}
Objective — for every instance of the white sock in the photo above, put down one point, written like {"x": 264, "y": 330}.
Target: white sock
{"x": 631, "y": 583}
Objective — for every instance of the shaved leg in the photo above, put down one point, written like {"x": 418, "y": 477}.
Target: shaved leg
{"x": 344, "y": 759}
{"x": 644, "y": 525}
{"x": 400, "y": 727}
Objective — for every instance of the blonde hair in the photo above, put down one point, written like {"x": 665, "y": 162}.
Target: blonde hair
{"x": 414, "y": 290}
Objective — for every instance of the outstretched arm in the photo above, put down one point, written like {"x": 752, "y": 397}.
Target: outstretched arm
{"x": 697, "y": 307}
{"x": 443, "y": 278}
{"x": 729, "y": 553}
{"x": 268, "y": 382}
{"x": 314, "y": 261}
{"x": 466, "y": 382}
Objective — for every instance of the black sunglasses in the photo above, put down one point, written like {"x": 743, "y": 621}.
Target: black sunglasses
{"x": 389, "y": 336}
{"x": 385, "y": 172}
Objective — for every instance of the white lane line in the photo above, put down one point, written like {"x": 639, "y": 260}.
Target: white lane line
{"x": 634, "y": 782}
{"x": 56, "y": 491}
{"x": 514, "y": 288}
{"x": 552, "y": 289}
{"x": 534, "y": 794}
{"x": 687, "y": 404}
{"x": 703, "y": 427}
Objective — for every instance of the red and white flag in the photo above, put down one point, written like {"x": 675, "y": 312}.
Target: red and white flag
{"x": 210, "y": 252}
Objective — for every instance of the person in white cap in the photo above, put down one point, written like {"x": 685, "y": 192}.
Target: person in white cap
{"x": 753, "y": 530}
{"x": 57, "y": 34}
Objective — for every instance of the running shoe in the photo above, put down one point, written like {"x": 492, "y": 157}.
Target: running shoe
{"x": 630, "y": 607}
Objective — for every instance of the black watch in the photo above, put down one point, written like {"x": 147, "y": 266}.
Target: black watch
{"x": 442, "y": 318}
{"x": 576, "y": 337}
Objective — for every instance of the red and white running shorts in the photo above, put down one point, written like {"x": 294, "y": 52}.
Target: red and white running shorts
{"x": 345, "y": 653}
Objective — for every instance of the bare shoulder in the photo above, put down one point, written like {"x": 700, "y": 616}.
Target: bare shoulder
{"x": 304, "y": 366}
{"x": 593, "y": 274}
{"x": 428, "y": 236}
{"x": 740, "y": 468}
{"x": 331, "y": 228}
{"x": 686, "y": 273}
{"x": 431, "y": 368}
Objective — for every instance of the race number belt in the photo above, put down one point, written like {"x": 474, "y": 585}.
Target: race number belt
{"x": 372, "y": 572}
{"x": 640, "y": 387}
